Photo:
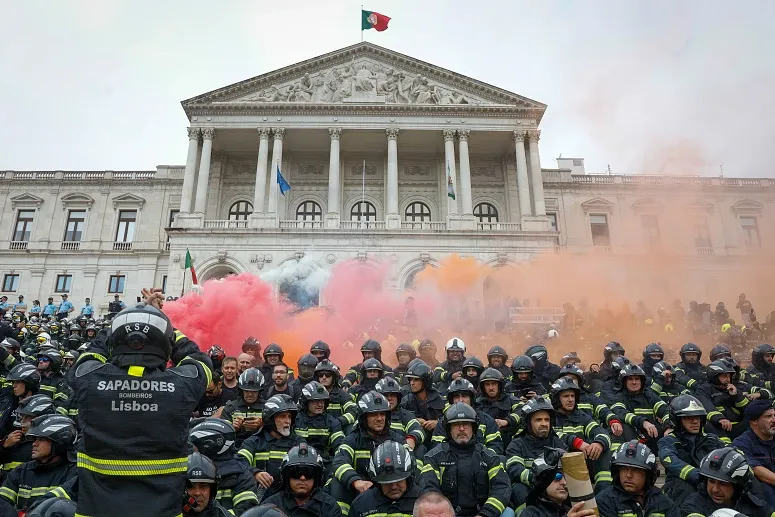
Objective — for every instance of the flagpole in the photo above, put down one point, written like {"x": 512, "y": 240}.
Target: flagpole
{"x": 183, "y": 287}
{"x": 363, "y": 190}
{"x": 361, "y": 23}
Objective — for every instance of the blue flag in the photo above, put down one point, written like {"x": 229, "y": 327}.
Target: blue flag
{"x": 284, "y": 186}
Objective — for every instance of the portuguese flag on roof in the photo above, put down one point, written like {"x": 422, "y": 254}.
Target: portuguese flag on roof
{"x": 373, "y": 20}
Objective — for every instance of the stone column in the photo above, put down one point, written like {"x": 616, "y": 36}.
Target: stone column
{"x": 333, "y": 217}
{"x": 535, "y": 168}
{"x": 465, "y": 174}
{"x": 277, "y": 160}
{"x": 263, "y": 153}
{"x": 523, "y": 184}
{"x": 392, "y": 217}
{"x": 190, "y": 172}
{"x": 450, "y": 171}
{"x": 204, "y": 170}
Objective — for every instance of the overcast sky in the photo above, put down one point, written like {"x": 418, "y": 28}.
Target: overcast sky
{"x": 658, "y": 86}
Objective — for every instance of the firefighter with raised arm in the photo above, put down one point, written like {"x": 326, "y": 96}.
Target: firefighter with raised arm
{"x": 133, "y": 454}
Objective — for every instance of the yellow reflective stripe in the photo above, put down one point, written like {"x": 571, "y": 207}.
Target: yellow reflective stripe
{"x": 247, "y": 495}
{"x": 495, "y": 503}
{"x": 362, "y": 455}
{"x": 341, "y": 470}
{"x": 643, "y": 411}
{"x": 38, "y": 491}
{"x": 136, "y": 371}
{"x": 491, "y": 437}
{"x": 344, "y": 507}
{"x": 60, "y": 492}
{"x": 494, "y": 471}
{"x": 513, "y": 460}
{"x": 270, "y": 455}
{"x": 700, "y": 515}
{"x": 51, "y": 389}
{"x": 438, "y": 438}
{"x": 99, "y": 357}
{"x": 349, "y": 450}
{"x": 222, "y": 494}
{"x": 334, "y": 437}
{"x": 132, "y": 467}
{"x": 11, "y": 465}
{"x": 8, "y": 494}
{"x": 247, "y": 455}
{"x": 685, "y": 472}
{"x": 178, "y": 335}
{"x": 742, "y": 403}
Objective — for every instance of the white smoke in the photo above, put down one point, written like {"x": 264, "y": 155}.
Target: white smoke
{"x": 305, "y": 275}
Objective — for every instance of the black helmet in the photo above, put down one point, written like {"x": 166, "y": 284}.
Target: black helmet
{"x": 265, "y": 510}
{"x": 407, "y": 349}
{"x": 307, "y": 360}
{"x": 570, "y": 358}
{"x": 426, "y": 343}
{"x": 371, "y": 345}
{"x": 34, "y": 406}
{"x": 53, "y": 507}
{"x": 275, "y": 405}
{"x": 491, "y": 374}
{"x": 687, "y": 405}
{"x": 653, "y": 348}
{"x": 535, "y": 405}
{"x": 758, "y": 353}
{"x": 373, "y": 402}
{"x": 522, "y": 363}
{"x": 58, "y": 429}
{"x": 573, "y": 369}
{"x": 617, "y": 365}
{"x": 388, "y": 385}
{"x": 26, "y": 373}
{"x": 475, "y": 363}
{"x": 213, "y": 437}
{"x": 302, "y": 457}
{"x": 417, "y": 369}
{"x": 497, "y": 350}
{"x": 251, "y": 380}
{"x": 638, "y": 455}
{"x": 372, "y": 363}
{"x": 719, "y": 351}
{"x": 460, "y": 412}
{"x": 461, "y": 385}
{"x": 327, "y": 366}
{"x": 690, "y": 348}
{"x": 736, "y": 367}
{"x": 11, "y": 344}
{"x": 560, "y": 385}
{"x": 718, "y": 367}
{"x": 632, "y": 370}
{"x": 142, "y": 329}
{"x": 251, "y": 344}
{"x": 659, "y": 371}
{"x": 54, "y": 357}
{"x": 390, "y": 462}
{"x": 201, "y": 469}
{"x": 543, "y": 472}
{"x": 613, "y": 347}
{"x": 313, "y": 391}
{"x": 274, "y": 349}
{"x": 727, "y": 465}
{"x": 322, "y": 348}
{"x": 538, "y": 353}
{"x": 217, "y": 355}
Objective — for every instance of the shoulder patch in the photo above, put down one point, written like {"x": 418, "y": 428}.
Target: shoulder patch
{"x": 189, "y": 371}
{"x": 88, "y": 367}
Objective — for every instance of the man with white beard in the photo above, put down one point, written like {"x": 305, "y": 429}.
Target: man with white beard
{"x": 265, "y": 450}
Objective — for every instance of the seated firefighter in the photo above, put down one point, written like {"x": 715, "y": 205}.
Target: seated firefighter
{"x": 548, "y": 496}
{"x": 201, "y": 488}
{"x": 469, "y": 474}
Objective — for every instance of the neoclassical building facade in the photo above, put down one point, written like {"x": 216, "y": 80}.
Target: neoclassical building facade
{"x": 387, "y": 158}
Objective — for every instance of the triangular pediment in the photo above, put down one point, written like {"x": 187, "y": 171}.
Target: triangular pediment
{"x": 597, "y": 203}
{"x": 128, "y": 200}
{"x": 364, "y": 74}
{"x": 26, "y": 200}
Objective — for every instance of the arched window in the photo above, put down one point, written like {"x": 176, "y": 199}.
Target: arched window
{"x": 486, "y": 213}
{"x": 417, "y": 212}
{"x": 240, "y": 211}
{"x": 309, "y": 211}
{"x": 363, "y": 211}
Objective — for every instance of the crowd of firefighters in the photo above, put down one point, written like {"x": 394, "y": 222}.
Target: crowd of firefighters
{"x": 128, "y": 416}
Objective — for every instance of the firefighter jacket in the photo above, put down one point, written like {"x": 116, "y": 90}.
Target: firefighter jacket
{"x": 523, "y": 450}
{"x": 355, "y": 374}
{"x": 14, "y": 456}
{"x": 699, "y": 504}
{"x": 432, "y": 408}
{"x": 374, "y": 503}
{"x": 237, "y": 486}
{"x": 505, "y": 371}
{"x": 342, "y": 405}
{"x": 398, "y": 374}
{"x": 323, "y": 432}
{"x": 520, "y": 389}
{"x": 264, "y": 453}
{"x": 405, "y": 423}
{"x": 351, "y": 462}
{"x": 505, "y": 407}
{"x": 213, "y": 510}
{"x": 615, "y": 501}
{"x": 487, "y": 433}
{"x": 594, "y": 406}
{"x": 720, "y": 404}
{"x": 320, "y": 505}
{"x": 758, "y": 377}
{"x": 240, "y": 408}
{"x": 133, "y": 454}
{"x": 690, "y": 375}
{"x": 54, "y": 386}
{"x": 442, "y": 374}
{"x": 31, "y": 480}
{"x": 635, "y": 409}
{"x": 578, "y": 425}
{"x": 681, "y": 454}
{"x": 470, "y": 476}
{"x": 546, "y": 373}
{"x": 545, "y": 508}
{"x": 668, "y": 392}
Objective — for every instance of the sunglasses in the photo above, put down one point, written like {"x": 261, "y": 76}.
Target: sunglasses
{"x": 297, "y": 472}
{"x": 44, "y": 360}
{"x": 325, "y": 374}
{"x": 559, "y": 476}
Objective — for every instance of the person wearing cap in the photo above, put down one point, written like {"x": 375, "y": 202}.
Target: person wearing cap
{"x": 88, "y": 309}
{"x": 757, "y": 445}
{"x": 20, "y": 307}
{"x": 49, "y": 309}
{"x": 549, "y": 495}
{"x": 4, "y": 305}
{"x": 65, "y": 308}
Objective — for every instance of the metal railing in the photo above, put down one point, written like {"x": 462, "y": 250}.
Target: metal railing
{"x": 122, "y": 246}
{"x": 225, "y": 224}
{"x": 71, "y": 245}
{"x": 18, "y": 245}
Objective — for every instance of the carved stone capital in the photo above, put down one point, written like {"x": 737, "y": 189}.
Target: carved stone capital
{"x": 519, "y": 136}
{"x": 278, "y": 132}
{"x": 193, "y": 133}
{"x": 208, "y": 133}
{"x": 392, "y": 133}
{"x": 335, "y": 133}
{"x": 534, "y": 135}
{"x": 449, "y": 134}
{"x": 263, "y": 133}
{"x": 462, "y": 134}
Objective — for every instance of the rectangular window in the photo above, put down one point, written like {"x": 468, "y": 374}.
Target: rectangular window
{"x": 750, "y": 227}
{"x": 598, "y": 224}
{"x": 116, "y": 284}
{"x": 125, "y": 232}
{"x": 552, "y": 220}
{"x": 64, "y": 283}
{"x": 173, "y": 213}
{"x": 650, "y": 225}
{"x": 164, "y": 284}
{"x": 701, "y": 233}
{"x": 10, "y": 283}
{"x": 24, "y": 220}
{"x": 76, "y": 220}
